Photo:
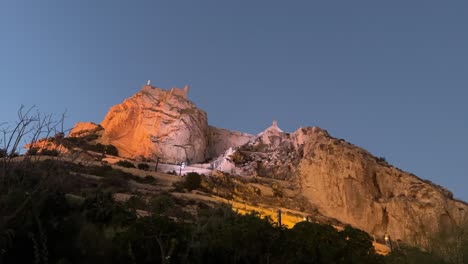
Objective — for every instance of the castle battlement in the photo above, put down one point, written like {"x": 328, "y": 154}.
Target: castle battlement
{"x": 180, "y": 92}
{"x": 173, "y": 91}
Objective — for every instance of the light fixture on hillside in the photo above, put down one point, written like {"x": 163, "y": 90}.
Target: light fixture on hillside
{"x": 388, "y": 241}
{"x": 182, "y": 166}
{"x": 157, "y": 164}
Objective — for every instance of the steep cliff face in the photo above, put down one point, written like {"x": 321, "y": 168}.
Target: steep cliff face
{"x": 347, "y": 183}
{"x": 222, "y": 139}
{"x": 157, "y": 123}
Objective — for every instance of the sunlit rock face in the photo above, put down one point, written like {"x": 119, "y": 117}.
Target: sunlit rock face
{"x": 42, "y": 145}
{"x": 83, "y": 129}
{"x": 347, "y": 183}
{"x": 155, "y": 123}
{"x": 350, "y": 184}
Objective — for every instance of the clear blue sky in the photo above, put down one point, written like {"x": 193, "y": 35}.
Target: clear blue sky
{"x": 390, "y": 76}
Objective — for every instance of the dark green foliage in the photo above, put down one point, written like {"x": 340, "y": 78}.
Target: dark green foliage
{"x": 108, "y": 173}
{"x": 49, "y": 152}
{"x": 50, "y": 228}
{"x": 161, "y": 204}
{"x": 100, "y": 208}
{"x": 125, "y": 163}
{"x": 224, "y": 236}
{"x": 106, "y": 149}
{"x": 99, "y": 170}
{"x": 314, "y": 243}
{"x": 412, "y": 255}
{"x": 148, "y": 179}
{"x": 382, "y": 161}
{"x": 359, "y": 245}
{"x": 97, "y": 148}
{"x": 143, "y": 166}
{"x": 192, "y": 181}
{"x": 112, "y": 150}
{"x": 116, "y": 179}
{"x": 3, "y": 153}
{"x": 86, "y": 144}
{"x": 31, "y": 152}
{"x": 136, "y": 202}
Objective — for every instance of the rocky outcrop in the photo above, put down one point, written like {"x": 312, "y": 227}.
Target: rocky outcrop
{"x": 83, "y": 129}
{"x": 155, "y": 123}
{"x": 222, "y": 139}
{"x": 337, "y": 179}
{"x": 347, "y": 183}
{"x": 51, "y": 146}
{"x": 272, "y": 154}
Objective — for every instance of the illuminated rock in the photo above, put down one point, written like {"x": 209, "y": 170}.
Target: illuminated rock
{"x": 82, "y": 129}
{"x": 339, "y": 180}
{"x": 157, "y": 123}
{"x": 347, "y": 183}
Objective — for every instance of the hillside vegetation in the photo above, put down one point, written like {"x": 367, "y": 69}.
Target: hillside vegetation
{"x": 50, "y": 215}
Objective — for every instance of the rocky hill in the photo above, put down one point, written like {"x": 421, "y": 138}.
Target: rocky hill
{"x": 157, "y": 123}
{"x": 347, "y": 183}
{"x": 330, "y": 177}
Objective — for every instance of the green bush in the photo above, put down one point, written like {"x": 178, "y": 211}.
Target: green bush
{"x": 412, "y": 255}
{"x": 31, "y": 152}
{"x": 125, "y": 163}
{"x": 14, "y": 155}
{"x": 50, "y": 152}
{"x": 143, "y": 166}
{"x": 97, "y": 148}
{"x": 136, "y": 202}
{"x": 84, "y": 143}
{"x": 98, "y": 229}
{"x": 112, "y": 150}
{"x": 116, "y": 179}
{"x": 161, "y": 204}
{"x": 192, "y": 181}
{"x": 148, "y": 179}
{"x": 45, "y": 152}
{"x": 100, "y": 170}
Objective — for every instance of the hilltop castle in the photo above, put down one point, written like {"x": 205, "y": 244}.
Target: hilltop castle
{"x": 174, "y": 91}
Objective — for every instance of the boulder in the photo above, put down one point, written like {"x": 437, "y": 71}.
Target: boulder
{"x": 83, "y": 129}
{"x": 155, "y": 123}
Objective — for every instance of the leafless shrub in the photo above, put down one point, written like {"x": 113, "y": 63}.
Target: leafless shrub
{"x": 29, "y": 128}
